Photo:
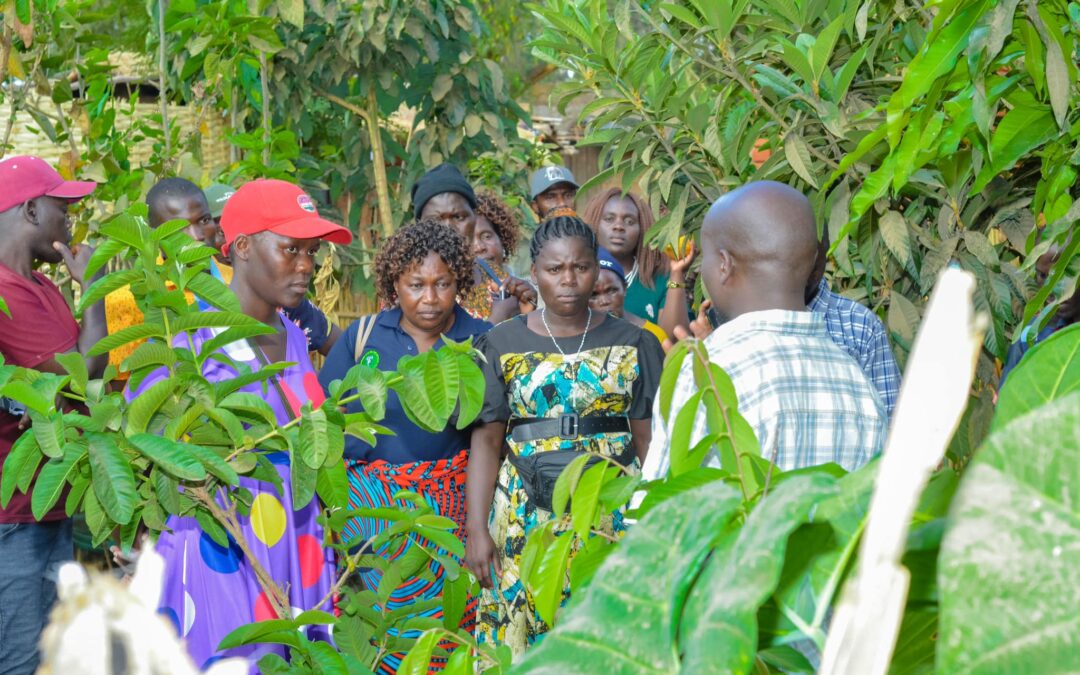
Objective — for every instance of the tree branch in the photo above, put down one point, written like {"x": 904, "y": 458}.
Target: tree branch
{"x": 162, "y": 93}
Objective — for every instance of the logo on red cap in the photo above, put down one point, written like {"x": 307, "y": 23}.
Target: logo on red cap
{"x": 305, "y": 203}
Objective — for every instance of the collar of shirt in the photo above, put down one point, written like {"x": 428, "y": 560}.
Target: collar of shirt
{"x": 784, "y": 321}
{"x": 822, "y": 299}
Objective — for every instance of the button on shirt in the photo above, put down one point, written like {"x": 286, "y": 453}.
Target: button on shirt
{"x": 861, "y": 334}
{"x": 806, "y": 400}
{"x": 385, "y": 346}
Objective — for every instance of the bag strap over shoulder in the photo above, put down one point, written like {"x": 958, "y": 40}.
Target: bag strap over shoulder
{"x": 364, "y": 325}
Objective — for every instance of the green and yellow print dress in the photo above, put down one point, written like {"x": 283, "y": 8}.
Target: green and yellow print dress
{"x": 616, "y": 373}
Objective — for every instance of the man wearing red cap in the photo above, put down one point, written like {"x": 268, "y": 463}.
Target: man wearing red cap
{"x": 34, "y": 227}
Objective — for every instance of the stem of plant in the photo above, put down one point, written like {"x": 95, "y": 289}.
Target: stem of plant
{"x": 264, "y": 74}
{"x": 162, "y": 97}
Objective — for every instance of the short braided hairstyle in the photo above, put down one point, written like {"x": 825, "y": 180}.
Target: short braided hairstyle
{"x": 560, "y": 224}
{"x": 410, "y": 245}
{"x": 506, "y": 224}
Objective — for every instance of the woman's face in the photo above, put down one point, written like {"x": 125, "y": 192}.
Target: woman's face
{"x": 281, "y": 267}
{"x": 619, "y": 229}
{"x": 608, "y": 294}
{"x": 565, "y": 273}
{"x": 452, "y": 210}
{"x": 486, "y": 243}
{"x": 426, "y": 292}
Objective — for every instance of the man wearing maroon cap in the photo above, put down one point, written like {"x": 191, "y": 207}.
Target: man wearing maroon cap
{"x": 34, "y": 228}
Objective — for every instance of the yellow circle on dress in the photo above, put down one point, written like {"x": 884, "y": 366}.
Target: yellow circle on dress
{"x": 267, "y": 519}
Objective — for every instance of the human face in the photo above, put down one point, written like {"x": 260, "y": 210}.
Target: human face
{"x": 195, "y": 210}
{"x": 565, "y": 273}
{"x": 608, "y": 294}
{"x": 426, "y": 293}
{"x": 486, "y": 243}
{"x": 280, "y": 267}
{"x": 452, "y": 210}
{"x": 620, "y": 228}
{"x": 556, "y": 196}
{"x": 50, "y": 215}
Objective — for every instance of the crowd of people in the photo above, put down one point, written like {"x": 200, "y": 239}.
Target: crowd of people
{"x": 572, "y": 362}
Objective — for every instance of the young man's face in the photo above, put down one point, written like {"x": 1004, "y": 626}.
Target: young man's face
{"x": 558, "y": 195}
{"x": 50, "y": 214}
{"x": 193, "y": 209}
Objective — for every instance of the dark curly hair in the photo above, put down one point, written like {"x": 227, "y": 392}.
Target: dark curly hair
{"x": 560, "y": 225}
{"x": 410, "y": 245}
{"x": 503, "y": 219}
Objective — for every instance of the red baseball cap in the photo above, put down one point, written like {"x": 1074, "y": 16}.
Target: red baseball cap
{"x": 25, "y": 177}
{"x": 281, "y": 208}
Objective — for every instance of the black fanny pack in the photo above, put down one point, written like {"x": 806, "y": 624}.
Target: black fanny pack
{"x": 541, "y": 470}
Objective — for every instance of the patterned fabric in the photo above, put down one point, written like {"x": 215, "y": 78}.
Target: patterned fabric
{"x": 442, "y": 484}
{"x": 479, "y": 299}
{"x": 807, "y": 401}
{"x": 861, "y": 334}
{"x": 616, "y": 374}
{"x": 209, "y": 589}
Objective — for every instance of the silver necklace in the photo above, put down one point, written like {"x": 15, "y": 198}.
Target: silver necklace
{"x": 633, "y": 274}
{"x": 588, "y": 322}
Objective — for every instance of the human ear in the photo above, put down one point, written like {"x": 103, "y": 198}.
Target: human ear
{"x": 241, "y": 247}
{"x": 725, "y": 266}
{"x": 31, "y": 210}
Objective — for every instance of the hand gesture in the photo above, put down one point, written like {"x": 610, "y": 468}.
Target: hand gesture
{"x": 700, "y": 327}
{"x": 481, "y": 559}
{"x": 76, "y": 262}
{"x": 523, "y": 291}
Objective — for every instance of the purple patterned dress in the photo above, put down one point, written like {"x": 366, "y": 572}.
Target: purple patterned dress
{"x": 210, "y": 590}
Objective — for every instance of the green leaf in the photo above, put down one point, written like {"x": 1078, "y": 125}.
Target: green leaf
{"x": 1017, "y": 134}
{"x": 304, "y": 480}
{"x": 24, "y": 12}
{"x": 214, "y": 463}
{"x": 419, "y": 657}
{"x": 1058, "y": 83}
{"x": 51, "y": 481}
{"x": 586, "y": 500}
{"x": 106, "y": 285}
{"x": 127, "y": 335}
{"x": 314, "y": 444}
{"x": 197, "y": 320}
{"x": 797, "y": 154}
{"x": 213, "y": 291}
{"x": 114, "y": 483}
{"x": 75, "y": 365}
{"x": 149, "y": 354}
{"x": 719, "y": 627}
{"x": 549, "y": 578}
{"x": 938, "y": 56}
{"x": 142, "y": 409}
{"x": 1048, "y": 372}
{"x": 292, "y": 11}
{"x": 669, "y": 377}
{"x": 415, "y": 399}
{"x": 21, "y": 463}
{"x": 682, "y": 459}
{"x": 566, "y": 483}
{"x": 25, "y": 393}
{"x": 172, "y": 456}
{"x": 894, "y": 231}
{"x": 667, "y": 547}
{"x": 1009, "y": 568}
{"x": 49, "y": 431}
{"x": 251, "y": 405}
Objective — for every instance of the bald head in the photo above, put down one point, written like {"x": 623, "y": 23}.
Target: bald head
{"x": 764, "y": 242}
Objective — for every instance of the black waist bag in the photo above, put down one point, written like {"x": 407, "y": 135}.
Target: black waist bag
{"x": 539, "y": 471}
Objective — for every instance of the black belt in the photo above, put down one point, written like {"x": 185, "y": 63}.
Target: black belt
{"x": 566, "y": 427}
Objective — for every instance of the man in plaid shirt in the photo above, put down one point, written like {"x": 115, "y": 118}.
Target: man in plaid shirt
{"x": 806, "y": 399}
{"x": 856, "y": 329}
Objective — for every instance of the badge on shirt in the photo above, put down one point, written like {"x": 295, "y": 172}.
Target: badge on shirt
{"x": 650, "y": 311}
{"x": 370, "y": 359}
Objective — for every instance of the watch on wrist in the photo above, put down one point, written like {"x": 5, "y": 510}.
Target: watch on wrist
{"x": 676, "y": 284}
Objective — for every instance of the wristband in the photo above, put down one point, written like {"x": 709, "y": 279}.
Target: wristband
{"x": 676, "y": 284}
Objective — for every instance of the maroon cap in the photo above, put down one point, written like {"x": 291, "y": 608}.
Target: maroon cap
{"x": 281, "y": 208}
{"x": 25, "y": 177}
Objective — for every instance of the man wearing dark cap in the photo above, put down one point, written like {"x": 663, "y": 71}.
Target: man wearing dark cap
{"x": 552, "y": 187}
{"x": 445, "y": 195}
{"x": 34, "y": 228}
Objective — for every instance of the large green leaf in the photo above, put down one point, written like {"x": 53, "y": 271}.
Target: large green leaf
{"x": 171, "y": 456}
{"x": 142, "y": 409}
{"x": 1010, "y": 568}
{"x": 720, "y": 629}
{"x": 21, "y": 463}
{"x": 51, "y": 481}
{"x": 1049, "y": 371}
{"x": 114, "y": 483}
{"x": 645, "y": 578}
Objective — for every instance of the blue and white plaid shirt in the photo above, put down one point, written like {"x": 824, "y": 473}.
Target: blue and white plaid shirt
{"x": 861, "y": 334}
{"x": 806, "y": 400}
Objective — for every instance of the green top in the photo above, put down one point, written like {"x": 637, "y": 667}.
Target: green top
{"x": 646, "y": 302}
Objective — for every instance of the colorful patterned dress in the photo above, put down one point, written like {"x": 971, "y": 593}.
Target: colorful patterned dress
{"x": 616, "y": 374}
{"x": 209, "y": 589}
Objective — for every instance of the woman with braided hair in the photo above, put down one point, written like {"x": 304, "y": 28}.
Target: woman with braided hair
{"x": 419, "y": 273}
{"x": 561, "y": 381}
